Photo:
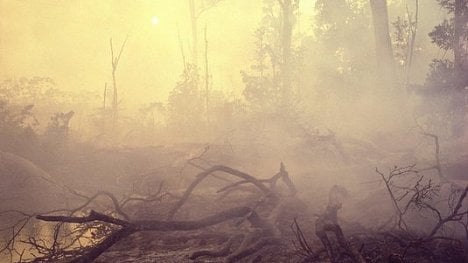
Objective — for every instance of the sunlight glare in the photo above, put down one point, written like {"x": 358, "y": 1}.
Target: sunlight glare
{"x": 155, "y": 21}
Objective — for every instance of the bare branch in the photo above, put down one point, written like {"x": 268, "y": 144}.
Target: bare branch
{"x": 201, "y": 176}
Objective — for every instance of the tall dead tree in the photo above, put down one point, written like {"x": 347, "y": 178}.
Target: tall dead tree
{"x": 286, "y": 38}
{"x": 104, "y": 97}
{"x": 413, "y": 29}
{"x": 207, "y": 80}
{"x": 460, "y": 48}
{"x": 194, "y": 24}
{"x": 383, "y": 44}
{"x": 115, "y": 63}
{"x": 197, "y": 8}
{"x": 182, "y": 52}
{"x": 460, "y": 51}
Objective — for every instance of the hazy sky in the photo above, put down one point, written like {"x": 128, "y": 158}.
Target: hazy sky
{"x": 69, "y": 42}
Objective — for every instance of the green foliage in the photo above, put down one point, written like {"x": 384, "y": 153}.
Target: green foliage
{"x": 28, "y": 90}
{"x": 441, "y": 75}
{"x": 332, "y": 16}
{"x": 262, "y": 83}
{"x": 448, "y": 5}
{"x": 339, "y": 50}
{"x": 442, "y": 71}
{"x": 441, "y": 82}
{"x": 339, "y": 21}
{"x": 443, "y": 34}
{"x": 42, "y": 92}
{"x": 401, "y": 38}
{"x": 262, "y": 89}
{"x": 261, "y": 92}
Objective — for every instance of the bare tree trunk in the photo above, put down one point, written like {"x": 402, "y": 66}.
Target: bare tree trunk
{"x": 460, "y": 51}
{"x": 207, "y": 82}
{"x": 114, "y": 85}
{"x": 287, "y": 23}
{"x": 383, "y": 44}
{"x": 115, "y": 63}
{"x": 286, "y": 36}
{"x": 104, "y": 98}
{"x": 184, "y": 61}
{"x": 193, "y": 20}
{"x": 460, "y": 48}
{"x": 413, "y": 25}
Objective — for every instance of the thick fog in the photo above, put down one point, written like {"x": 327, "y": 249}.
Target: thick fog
{"x": 233, "y": 131}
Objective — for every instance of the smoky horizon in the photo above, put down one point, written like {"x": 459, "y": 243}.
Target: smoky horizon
{"x": 234, "y": 131}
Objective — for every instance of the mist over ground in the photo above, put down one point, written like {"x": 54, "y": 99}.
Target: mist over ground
{"x": 234, "y": 131}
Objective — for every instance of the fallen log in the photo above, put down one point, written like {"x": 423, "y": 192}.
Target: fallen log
{"x": 128, "y": 228}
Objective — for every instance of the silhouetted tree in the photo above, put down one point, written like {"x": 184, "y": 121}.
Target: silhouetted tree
{"x": 269, "y": 85}
{"x": 383, "y": 45}
{"x": 197, "y": 8}
{"x": 115, "y": 63}
{"x": 338, "y": 61}
{"x": 447, "y": 79}
{"x": 287, "y": 22}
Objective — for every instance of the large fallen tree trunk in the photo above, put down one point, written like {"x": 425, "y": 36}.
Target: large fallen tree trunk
{"x": 128, "y": 228}
{"x": 262, "y": 230}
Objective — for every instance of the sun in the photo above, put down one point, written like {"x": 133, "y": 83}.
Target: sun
{"x": 155, "y": 20}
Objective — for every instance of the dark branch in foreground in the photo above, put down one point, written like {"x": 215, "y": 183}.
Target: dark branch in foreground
{"x": 128, "y": 228}
{"x": 262, "y": 233}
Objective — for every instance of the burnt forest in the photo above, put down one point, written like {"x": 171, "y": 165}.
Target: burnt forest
{"x": 252, "y": 131}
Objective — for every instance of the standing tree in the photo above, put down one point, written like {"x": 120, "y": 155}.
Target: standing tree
{"x": 460, "y": 51}
{"x": 115, "y": 63}
{"x": 447, "y": 81}
{"x": 207, "y": 79}
{"x": 287, "y": 16}
{"x": 197, "y": 8}
{"x": 383, "y": 44}
{"x": 404, "y": 41}
{"x": 271, "y": 86}
{"x": 193, "y": 20}
{"x": 460, "y": 48}
{"x": 339, "y": 50}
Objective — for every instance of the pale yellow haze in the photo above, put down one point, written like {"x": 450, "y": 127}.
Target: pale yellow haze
{"x": 155, "y": 20}
{"x": 69, "y": 42}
